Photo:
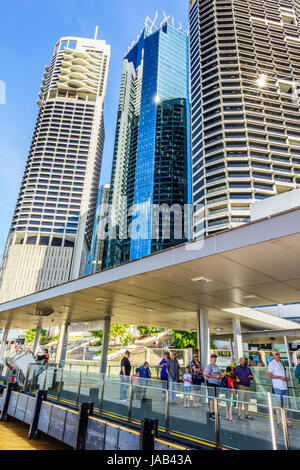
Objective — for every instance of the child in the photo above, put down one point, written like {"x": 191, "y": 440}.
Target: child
{"x": 187, "y": 386}
{"x": 230, "y": 393}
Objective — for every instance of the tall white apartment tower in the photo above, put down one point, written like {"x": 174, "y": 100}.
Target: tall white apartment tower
{"x": 50, "y": 235}
{"x": 245, "y": 73}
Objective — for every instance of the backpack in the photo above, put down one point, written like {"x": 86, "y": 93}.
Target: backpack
{"x": 224, "y": 383}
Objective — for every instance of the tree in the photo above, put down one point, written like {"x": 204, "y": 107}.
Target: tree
{"x": 121, "y": 331}
{"x": 30, "y": 335}
{"x": 187, "y": 339}
{"x": 184, "y": 339}
{"x": 146, "y": 330}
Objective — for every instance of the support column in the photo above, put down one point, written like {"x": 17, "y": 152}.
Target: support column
{"x": 105, "y": 343}
{"x": 286, "y": 342}
{"x": 237, "y": 334}
{"x": 203, "y": 337}
{"x": 36, "y": 340}
{"x": 233, "y": 358}
{"x": 3, "y": 343}
{"x": 62, "y": 344}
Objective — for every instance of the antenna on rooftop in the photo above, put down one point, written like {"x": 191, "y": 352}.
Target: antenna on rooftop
{"x": 96, "y": 32}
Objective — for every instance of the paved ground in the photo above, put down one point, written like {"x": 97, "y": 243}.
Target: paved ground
{"x": 13, "y": 436}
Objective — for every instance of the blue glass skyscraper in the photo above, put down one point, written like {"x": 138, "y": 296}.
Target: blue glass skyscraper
{"x": 165, "y": 77}
{"x": 151, "y": 165}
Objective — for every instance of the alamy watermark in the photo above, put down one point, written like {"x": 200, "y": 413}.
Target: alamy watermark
{"x": 147, "y": 221}
{"x": 2, "y": 92}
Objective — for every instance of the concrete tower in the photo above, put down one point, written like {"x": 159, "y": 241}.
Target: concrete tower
{"x": 50, "y": 235}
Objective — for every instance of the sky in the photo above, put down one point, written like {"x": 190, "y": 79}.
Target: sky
{"x": 28, "y": 33}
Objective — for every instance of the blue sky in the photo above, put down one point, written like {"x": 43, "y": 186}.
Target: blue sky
{"x": 28, "y": 33}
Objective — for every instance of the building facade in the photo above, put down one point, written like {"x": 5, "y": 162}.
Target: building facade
{"x": 51, "y": 231}
{"x": 97, "y": 248}
{"x": 151, "y": 165}
{"x": 245, "y": 106}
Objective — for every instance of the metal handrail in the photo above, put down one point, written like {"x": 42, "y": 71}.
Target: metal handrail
{"x": 271, "y": 417}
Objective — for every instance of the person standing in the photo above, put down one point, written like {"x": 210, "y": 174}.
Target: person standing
{"x": 214, "y": 375}
{"x": 297, "y": 374}
{"x": 276, "y": 372}
{"x": 144, "y": 374}
{"x": 252, "y": 362}
{"x": 187, "y": 386}
{"x": 163, "y": 373}
{"x": 125, "y": 374}
{"x": 260, "y": 362}
{"x": 156, "y": 341}
{"x": 173, "y": 371}
{"x": 196, "y": 371}
{"x": 230, "y": 393}
{"x": 244, "y": 376}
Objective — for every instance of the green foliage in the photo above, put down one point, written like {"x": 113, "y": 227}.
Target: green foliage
{"x": 47, "y": 340}
{"x": 184, "y": 339}
{"x": 121, "y": 331}
{"x": 187, "y": 339}
{"x": 146, "y": 330}
{"x": 30, "y": 335}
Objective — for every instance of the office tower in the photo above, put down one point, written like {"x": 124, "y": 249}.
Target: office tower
{"x": 50, "y": 235}
{"x": 97, "y": 248}
{"x": 245, "y": 112}
{"x": 151, "y": 164}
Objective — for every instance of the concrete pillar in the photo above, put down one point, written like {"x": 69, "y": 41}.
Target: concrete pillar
{"x": 3, "y": 344}
{"x": 105, "y": 344}
{"x": 147, "y": 355}
{"x": 36, "y": 340}
{"x": 190, "y": 355}
{"x": 62, "y": 344}
{"x": 203, "y": 337}
{"x": 233, "y": 358}
{"x": 286, "y": 342}
{"x": 237, "y": 334}
{"x": 186, "y": 357}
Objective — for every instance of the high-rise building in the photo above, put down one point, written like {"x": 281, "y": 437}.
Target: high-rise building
{"x": 98, "y": 239}
{"x": 245, "y": 112}
{"x": 50, "y": 235}
{"x": 151, "y": 165}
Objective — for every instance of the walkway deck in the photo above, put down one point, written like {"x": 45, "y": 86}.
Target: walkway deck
{"x": 13, "y": 436}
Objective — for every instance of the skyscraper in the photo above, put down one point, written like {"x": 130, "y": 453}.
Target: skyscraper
{"x": 151, "y": 164}
{"x": 97, "y": 248}
{"x": 50, "y": 235}
{"x": 245, "y": 112}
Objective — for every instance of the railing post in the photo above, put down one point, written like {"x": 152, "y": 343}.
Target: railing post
{"x": 217, "y": 424}
{"x": 26, "y": 377}
{"x": 60, "y": 385}
{"x": 78, "y": 390}
{"x": 167, "y": 414}
{"x": 130, "y": 401}
{"x": 101, "y": 395}
{"x": 285, "y": 429}
{"x": 45, "y": 380}
{"x": 31, "y": 382}
{"x": 274, "y": 446}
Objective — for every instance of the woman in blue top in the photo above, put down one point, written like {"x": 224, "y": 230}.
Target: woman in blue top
{"x": 297, "y": 374}
{"x": 144, "y": 374}
{"x": 163, "y": 373}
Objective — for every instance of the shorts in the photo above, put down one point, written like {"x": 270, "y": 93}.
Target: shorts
{"x": 187, "y": 389}
{"x": 281, "y": 395}
{"x": 212, "y": 389}
{"x": 243, "y": 393}
{"x": 230, "y": 398}
{"x": 164, "y": 378}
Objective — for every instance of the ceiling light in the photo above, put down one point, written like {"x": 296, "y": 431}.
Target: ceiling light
{"x": 262, "y": 80}
{"x": 149, "y": 309}
{"x": 250, "y": 296}
{"x": 201, "y": 279}
{"x": 219, "y": 329}
{"x": 102, "y": 299}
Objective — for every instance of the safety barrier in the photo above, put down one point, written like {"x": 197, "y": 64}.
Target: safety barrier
{"x": 77, "y": 428}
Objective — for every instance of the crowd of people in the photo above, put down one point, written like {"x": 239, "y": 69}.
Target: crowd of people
{"x": 235, "y": 382}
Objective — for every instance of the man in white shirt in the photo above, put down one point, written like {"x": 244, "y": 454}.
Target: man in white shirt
{"x": 276, "y": 372}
